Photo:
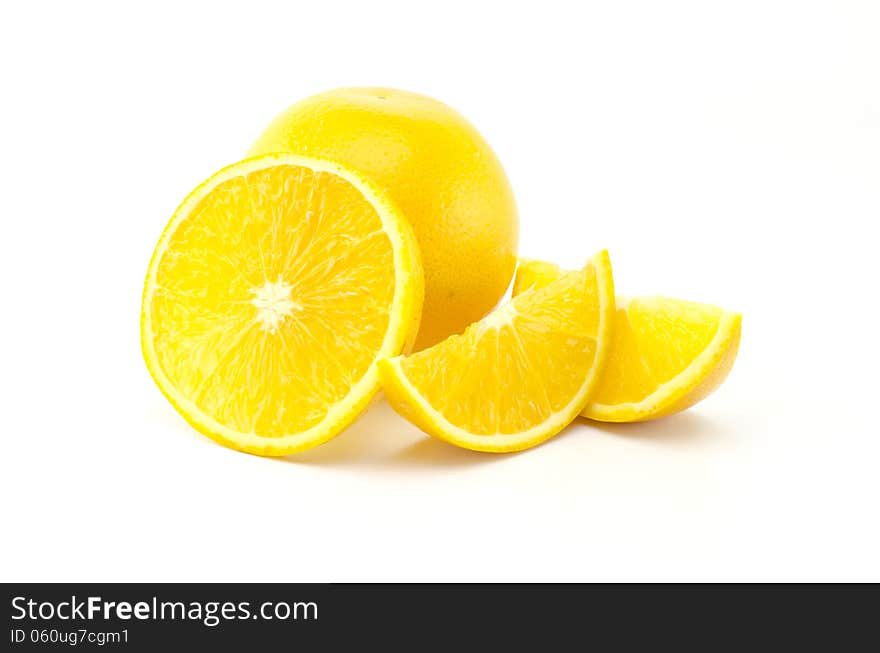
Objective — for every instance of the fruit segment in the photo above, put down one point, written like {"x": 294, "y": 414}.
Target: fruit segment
{"x": 518, "y": 376}
{"x": 271, "y": 293}
{"x": 667, "y": 354}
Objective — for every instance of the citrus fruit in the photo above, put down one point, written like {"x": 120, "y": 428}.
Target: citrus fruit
{"x": 517, "y": 377}
{"x": 273, "y": 290}
{"x": 667, "y": 354}
{"x": 440, "y": 172}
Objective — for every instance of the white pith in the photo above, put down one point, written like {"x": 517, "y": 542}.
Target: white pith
{"x": 274, "y": 302}
{"x": 498, "y": 318}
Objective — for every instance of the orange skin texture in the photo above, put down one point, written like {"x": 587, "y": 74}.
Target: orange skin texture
{"x": 439, "y": 171}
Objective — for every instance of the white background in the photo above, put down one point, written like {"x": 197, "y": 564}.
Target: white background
{"x": 723, "y": 151}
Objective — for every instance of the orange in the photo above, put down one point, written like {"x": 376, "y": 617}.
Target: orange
{"x": 666, "y": 354}
{"x": 271, "y": 294}
{"x": 518, "y": 376}
{"x": 440, "y": 172}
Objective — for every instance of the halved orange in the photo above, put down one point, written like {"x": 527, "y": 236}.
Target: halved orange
{"x": 272, "y": 292}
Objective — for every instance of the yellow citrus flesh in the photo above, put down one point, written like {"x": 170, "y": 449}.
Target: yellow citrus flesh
{"x": 273, "y": 290}
{"x": 438, "y": 170}
{"x": 667, "y": 354}
{"x": 517, "y": 377}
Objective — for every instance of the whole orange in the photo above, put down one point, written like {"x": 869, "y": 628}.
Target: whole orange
{"x": 439, "y": 171}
